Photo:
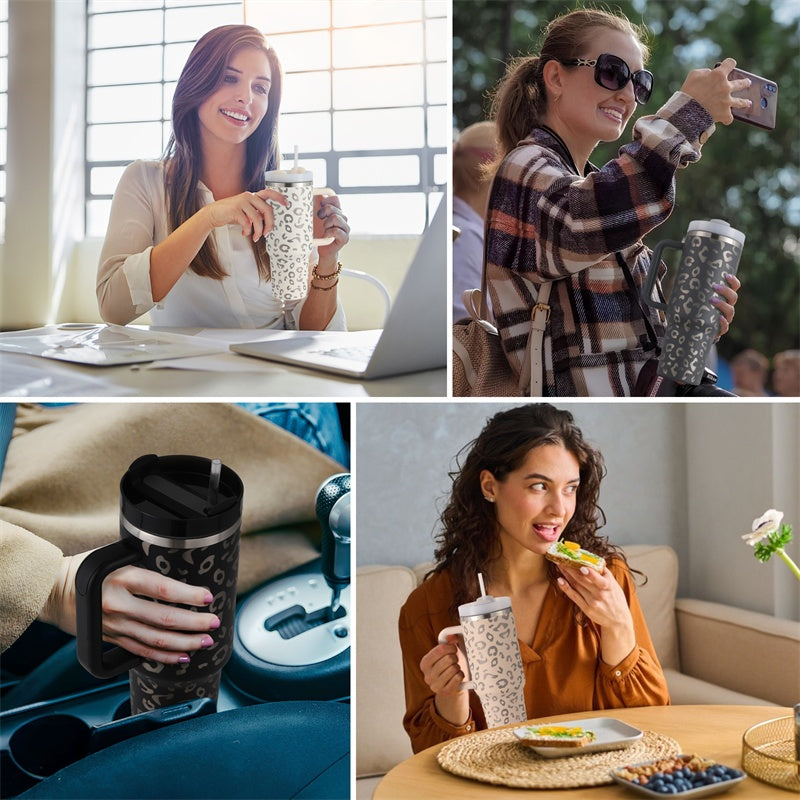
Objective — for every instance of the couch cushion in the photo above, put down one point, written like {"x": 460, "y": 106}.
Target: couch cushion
{"x": 657, "y": 597}
{"x": 750, "y": 652}
{"x": 684, "y": 690}
{"x": 381, "y": 740}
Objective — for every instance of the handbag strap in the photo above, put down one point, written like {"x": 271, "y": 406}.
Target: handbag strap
{"x": 539, "y": 319}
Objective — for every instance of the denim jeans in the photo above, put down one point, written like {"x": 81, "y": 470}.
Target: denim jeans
{"x": 315, "y": 423}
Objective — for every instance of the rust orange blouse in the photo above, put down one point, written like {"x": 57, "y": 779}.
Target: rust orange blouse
{"x": 563, "y": 668}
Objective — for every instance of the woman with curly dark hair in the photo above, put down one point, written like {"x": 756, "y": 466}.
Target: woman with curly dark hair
{"x": 528, "y": 480}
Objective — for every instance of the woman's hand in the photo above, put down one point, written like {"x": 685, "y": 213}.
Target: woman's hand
{"x": 151, "y": 630}
{"x": 330, "y": 222}
{"x": 443, "y": 670}
{"x": 601, "y": 599}
{"x": 250, "y": 210}
{"x": 712, "y": 89}
{"x": 725, "y": 299}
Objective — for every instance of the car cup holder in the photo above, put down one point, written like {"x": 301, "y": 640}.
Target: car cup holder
{"x": 38, "y": 740}
{"x": 288, "y": 644}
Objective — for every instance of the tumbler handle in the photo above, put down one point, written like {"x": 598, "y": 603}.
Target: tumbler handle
{"x": 655, "y": 260}
{"x": 457, "y": 630}
{"x": 89, "y": 609}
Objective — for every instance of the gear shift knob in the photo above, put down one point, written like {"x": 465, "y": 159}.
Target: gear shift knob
{"x": 333, "y": 513}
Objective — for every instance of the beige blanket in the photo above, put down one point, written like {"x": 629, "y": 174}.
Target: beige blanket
{"x": 61, "y": 484}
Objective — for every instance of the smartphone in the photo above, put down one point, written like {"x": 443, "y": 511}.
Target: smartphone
{"x": 762, "y": 93}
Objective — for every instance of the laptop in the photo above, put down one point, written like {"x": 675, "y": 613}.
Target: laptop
{"x": 414, "y": 337}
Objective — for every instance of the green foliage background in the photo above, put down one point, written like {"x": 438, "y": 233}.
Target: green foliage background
{"x": 747, "y": 176}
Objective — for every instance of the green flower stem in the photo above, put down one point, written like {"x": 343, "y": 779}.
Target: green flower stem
{"x": 788, "y": 561}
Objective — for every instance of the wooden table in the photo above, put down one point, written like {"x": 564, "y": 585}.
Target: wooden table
{"x": 710, "y": 731}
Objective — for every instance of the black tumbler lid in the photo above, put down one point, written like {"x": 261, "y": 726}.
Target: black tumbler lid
{"x": 179, "y": 497}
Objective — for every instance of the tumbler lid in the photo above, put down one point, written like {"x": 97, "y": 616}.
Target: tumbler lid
{"x": 718, "y": 227}
{"x": 294, "y": 175}
{"x": 484, "y": 606}
{"x": 186, "y": 497}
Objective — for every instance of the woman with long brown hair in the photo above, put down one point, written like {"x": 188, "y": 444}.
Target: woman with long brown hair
{"x": 185, "y": 237}
{"x": 556, "y": 220}
{"x": 528, "y": 480}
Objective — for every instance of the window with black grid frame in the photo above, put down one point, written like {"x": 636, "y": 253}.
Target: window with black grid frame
{"x": 365, "y": 96}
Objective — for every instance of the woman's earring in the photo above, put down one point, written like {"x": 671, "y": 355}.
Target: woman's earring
{"x": 489, "y": 499}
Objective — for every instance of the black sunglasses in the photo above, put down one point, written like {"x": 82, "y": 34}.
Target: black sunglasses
{"x": 611, "y": 72}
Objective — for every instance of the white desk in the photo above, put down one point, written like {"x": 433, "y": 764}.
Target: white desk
{"x": 31, "y": 376}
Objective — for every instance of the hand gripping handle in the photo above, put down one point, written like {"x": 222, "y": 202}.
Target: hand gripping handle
{"x": 652, "y": 273}
{"x": 89, "y": 609}
{"x": 457, "y": 630}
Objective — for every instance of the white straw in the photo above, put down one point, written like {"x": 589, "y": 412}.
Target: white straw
{"x": 213, "y": 484}
{"x": 296, "y": 155}
{"x": 480, "y": 582}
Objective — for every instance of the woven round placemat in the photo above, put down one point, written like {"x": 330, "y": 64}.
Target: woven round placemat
{"x": 496, "y": 756}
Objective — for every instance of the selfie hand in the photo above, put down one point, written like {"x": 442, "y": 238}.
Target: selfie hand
{"x": 712, "y": 89}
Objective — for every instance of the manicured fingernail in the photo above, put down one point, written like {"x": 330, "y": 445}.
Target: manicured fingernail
{"x": 206, "y": 641}
{"x": 716, "y": 299}
{"x": 184, "y": 659}
{"x": 209, "y": 598}
{"x": 215, "y": 623}
{"x": 560, "y": 581}
{"x": 584, "y": 570}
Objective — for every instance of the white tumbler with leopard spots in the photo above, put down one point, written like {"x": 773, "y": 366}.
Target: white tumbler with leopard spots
{"x": 291, "y": 240}
{"x": 493, "y": 655}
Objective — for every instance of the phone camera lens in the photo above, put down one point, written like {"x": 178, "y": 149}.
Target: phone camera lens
{"x": 763, "y": 102}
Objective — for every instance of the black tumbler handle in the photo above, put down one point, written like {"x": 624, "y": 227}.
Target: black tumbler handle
{"x": 89, "y": 609}
{"x": 655, "y": 260}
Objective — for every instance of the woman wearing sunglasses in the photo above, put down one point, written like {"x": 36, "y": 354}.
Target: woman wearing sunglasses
{"x": 555, "y": 218}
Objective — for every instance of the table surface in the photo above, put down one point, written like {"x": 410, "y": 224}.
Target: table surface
{"x": 32, "y": 376}
{"x": 710, "y": 731}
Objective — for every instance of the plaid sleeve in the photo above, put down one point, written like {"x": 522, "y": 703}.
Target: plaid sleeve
{"x": 544, "y": 219}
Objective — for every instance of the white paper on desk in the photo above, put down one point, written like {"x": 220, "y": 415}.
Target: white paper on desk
{"x": 216, "y": 363}
{"x": 105, "y": 345}
{"x": 25, "y": 380}
{"x": 239, "y": 335}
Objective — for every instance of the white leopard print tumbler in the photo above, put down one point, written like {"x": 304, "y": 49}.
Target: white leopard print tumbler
{"x": 495, "y": 663}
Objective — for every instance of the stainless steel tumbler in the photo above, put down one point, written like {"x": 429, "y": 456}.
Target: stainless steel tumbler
{"x": 710, "y": 249}
{"x": 179, "y": 516}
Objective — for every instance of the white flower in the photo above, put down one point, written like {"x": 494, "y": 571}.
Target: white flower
{"x": 767, "y": 523}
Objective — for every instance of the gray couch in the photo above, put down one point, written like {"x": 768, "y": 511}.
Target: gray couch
{"x": 710, "y": 653}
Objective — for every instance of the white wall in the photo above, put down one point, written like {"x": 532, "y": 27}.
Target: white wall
{"x": 742, "y": 459}
{"x": 44, "y": 216}
{"x": 692, "y": 476}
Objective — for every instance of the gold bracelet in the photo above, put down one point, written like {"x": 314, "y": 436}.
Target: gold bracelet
{"x": 316, "y": 276}
{"x": 325, "y": 288}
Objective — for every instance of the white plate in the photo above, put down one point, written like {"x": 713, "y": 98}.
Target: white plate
{"x": 610, "y": 734}
{"x": 700, "y": 791}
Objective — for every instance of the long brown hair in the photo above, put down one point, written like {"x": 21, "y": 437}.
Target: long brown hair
{"x": 201, "y": 76}
{"x": 519, "y": 101}
{"x": 469, "y": 540}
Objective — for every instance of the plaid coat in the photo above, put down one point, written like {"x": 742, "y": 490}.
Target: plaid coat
{"x": 547, "y": 223}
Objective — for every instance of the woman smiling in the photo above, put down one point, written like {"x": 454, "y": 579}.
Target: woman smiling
{"x": 185, "y": 237}
{"x": 557, "y": 222}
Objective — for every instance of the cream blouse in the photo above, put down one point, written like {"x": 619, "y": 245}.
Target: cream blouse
{"x": 137, "y": 223}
